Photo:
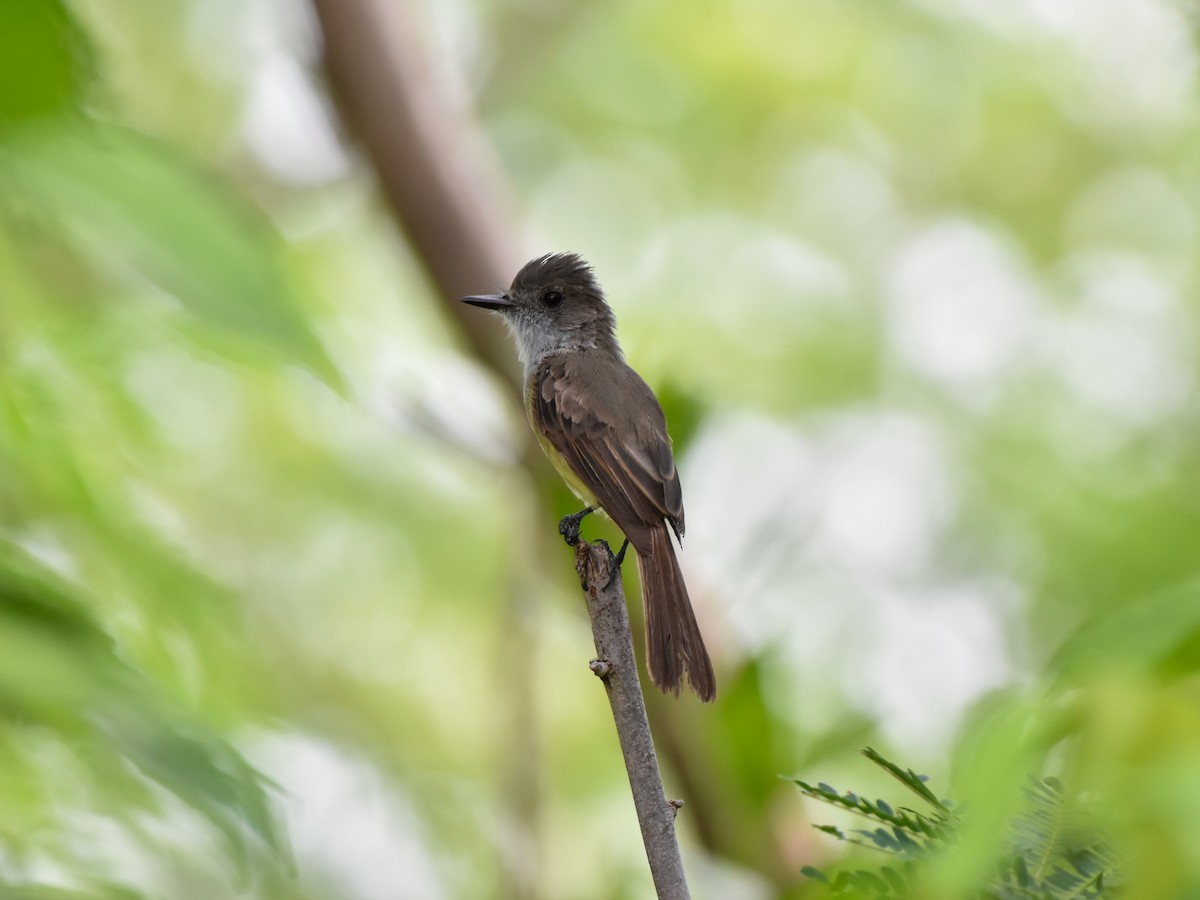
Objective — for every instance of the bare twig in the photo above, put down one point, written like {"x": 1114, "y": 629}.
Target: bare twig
{"x": 616, "y": 666}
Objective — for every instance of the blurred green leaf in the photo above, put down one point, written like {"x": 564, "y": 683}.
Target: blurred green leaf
{"x": 45, "y": 61}
{"x": 60, "y": 672}
{"x": 137, "y": 203}
{"x": 1155, "y": 634}
{"x": 13, "y": 891}
{"x": 244, "y": 556}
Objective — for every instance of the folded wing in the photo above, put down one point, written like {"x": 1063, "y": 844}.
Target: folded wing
{"x": 615, "y": 440}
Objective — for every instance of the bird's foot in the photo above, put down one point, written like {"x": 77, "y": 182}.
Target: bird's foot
{"x": 569, "y": 526}
{"x": 619, "y": 556}
{"x": 615, "y": 559}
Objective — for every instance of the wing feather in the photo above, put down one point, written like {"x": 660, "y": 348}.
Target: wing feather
{"x": 620, "y": 450}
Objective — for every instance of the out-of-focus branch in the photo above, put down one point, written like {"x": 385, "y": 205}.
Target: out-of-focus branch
{"x": 412, "y": 117}
{"x": 616, "y": 666}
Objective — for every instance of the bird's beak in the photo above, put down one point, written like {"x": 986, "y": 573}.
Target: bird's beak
{"x": 489, "y": 301}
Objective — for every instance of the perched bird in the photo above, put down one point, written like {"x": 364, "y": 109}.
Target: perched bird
{"x": 605, "y": 432}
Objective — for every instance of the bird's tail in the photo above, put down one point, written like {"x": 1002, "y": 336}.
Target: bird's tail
{"x": 673, "y": 641}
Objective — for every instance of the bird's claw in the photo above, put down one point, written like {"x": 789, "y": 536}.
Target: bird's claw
{"x": 568, "y": 527}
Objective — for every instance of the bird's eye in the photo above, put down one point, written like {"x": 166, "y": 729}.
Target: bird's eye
{"x": 552, "y": 298}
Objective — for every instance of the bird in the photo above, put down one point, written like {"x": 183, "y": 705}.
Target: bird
{"x": 604, "y": 430}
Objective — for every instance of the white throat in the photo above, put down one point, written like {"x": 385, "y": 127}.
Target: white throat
{"x": 537, "y": 338}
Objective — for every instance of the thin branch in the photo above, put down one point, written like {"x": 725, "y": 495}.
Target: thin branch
{"x": 616, "y": 666}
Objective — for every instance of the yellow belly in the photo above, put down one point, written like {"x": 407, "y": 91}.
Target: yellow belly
{"x": 578, "y": 488}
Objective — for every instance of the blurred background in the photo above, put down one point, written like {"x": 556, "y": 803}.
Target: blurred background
{"x": 283, "y": 612}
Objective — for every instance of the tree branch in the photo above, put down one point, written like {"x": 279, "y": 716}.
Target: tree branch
{"x": 413, "y": 120}
{"x": 616, "y": 666}
{"x": 413, "y": 117}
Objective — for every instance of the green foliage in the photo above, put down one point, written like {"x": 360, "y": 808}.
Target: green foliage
{"x": 45, "y": 61}
{"x": 61, "y": 679}
{"x": 1055, "y": 851}
{"x": 204, "y": 548}
{"x": 1049, "y": 852}
{"x": 128, "y": 202}
{"x": 11, "y": 891}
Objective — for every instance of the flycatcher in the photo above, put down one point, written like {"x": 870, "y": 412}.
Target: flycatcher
{"x": 606, "y": 434}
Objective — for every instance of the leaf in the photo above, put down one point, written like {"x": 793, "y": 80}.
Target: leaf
{"x": 882, "y": 839}
{"x": 1156, "y": 632}
{"x": 871, "y": 881}
{"x": 60, "y": 672}
{"x": 907, "y": 777}
{"x": 1022, "y": 872}
{"x": 843, "y": 882}
{"x": 40, "y": 37}
{"x": 13, "y": 891}
{"x": 897, "y": 881}
{"x": 907, "y": 844}
{"x": 137, "y": 203}
{"x": 814, "y": 873}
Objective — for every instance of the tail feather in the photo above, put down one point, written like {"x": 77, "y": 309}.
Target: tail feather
{"x": 673, "y": 641}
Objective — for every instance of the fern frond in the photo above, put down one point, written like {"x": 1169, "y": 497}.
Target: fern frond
{"x": 907, "y": 777}
{"x": 1054, "y": 852}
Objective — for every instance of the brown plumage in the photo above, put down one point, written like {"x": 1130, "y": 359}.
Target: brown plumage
{"x": 621, "y": 453}
{"x": 605, "y": 431}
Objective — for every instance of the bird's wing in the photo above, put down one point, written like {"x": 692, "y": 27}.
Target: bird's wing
{"x": 620, "y": 450}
